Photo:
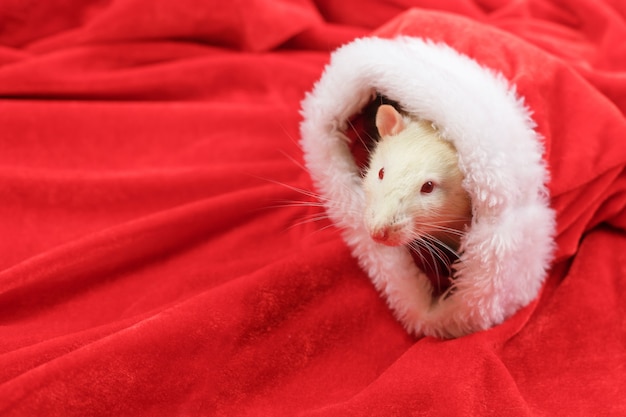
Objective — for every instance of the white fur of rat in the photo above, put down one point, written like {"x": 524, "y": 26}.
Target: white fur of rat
{"x": 413, "y": 185}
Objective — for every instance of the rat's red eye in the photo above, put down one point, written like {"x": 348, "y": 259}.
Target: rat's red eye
{"x": 381, "y": 173}
{"x": 428, "y": 187}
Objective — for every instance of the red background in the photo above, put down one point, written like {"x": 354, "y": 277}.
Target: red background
{"x": 150, "y": 265}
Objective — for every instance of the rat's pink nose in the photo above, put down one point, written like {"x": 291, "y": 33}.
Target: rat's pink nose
{"x": 380, "y": 235}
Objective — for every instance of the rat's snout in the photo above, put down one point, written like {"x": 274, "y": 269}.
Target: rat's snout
{"x": 385, "y": 226}
{"x": 390, "y": 235}
{"x": 377, "y": 229}
{"x": 380, "y": 235}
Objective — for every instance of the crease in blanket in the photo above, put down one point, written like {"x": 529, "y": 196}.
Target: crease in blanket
{"x": 505, "y": 254}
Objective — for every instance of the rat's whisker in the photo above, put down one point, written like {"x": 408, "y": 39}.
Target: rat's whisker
{"x": 296, "y": 203}
{"x": 417, "y": 245}
{"x": 441, "y": 244}
{"x": 293, "y": 160}
{"x": 360, "y": 138}
{"x": 434, "y": 247}
{"x": 310, "y": 219}
{"x": 444, "y": 229}
{"x": 448, "y": 230}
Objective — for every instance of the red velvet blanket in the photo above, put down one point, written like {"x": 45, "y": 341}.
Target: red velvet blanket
{"x": 156, "y": 257}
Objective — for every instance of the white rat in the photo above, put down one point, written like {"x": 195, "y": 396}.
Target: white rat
{"x": 413, "y": 187}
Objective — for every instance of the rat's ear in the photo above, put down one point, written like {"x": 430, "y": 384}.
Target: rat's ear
{"x": 388, "y": 121}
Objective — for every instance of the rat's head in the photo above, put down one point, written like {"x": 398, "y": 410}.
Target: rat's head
{"x": 413, "y": 183}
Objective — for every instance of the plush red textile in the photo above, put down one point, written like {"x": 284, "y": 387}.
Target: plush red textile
{"x": 151, "y": 263}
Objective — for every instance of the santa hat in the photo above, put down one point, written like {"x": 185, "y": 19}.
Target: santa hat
{"x": 508, "y": 247}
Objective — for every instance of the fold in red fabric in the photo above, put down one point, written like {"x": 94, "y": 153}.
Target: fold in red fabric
{"x": 161, "y": 253}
